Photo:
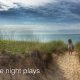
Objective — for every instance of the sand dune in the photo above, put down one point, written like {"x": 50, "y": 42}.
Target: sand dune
{"x": 64, "y": 67}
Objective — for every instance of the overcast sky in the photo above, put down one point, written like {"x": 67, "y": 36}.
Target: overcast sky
{"x": 52, "y": 14}
{"x": 7, "y": 4}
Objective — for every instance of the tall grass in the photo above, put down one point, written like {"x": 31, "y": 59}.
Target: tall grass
{"x": 27, "y": 47}
{"x": 77, "y": 46}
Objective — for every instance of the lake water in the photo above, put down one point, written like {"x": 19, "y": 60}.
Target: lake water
{"x": 40, "y": 37}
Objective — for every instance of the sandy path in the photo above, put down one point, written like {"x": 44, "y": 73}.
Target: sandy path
{"x": 70, "y": 65}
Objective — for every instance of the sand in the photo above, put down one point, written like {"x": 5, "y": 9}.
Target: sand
{"x": 70, "y": 66}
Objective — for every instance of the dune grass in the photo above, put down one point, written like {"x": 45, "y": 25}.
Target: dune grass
{"x": 77, "y": 46}
{"x": 27, "y": 47}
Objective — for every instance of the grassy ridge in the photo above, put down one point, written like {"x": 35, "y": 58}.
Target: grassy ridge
{"x": 24, "y": 46}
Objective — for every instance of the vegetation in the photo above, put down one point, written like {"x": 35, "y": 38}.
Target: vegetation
{"x": 26, "y": 47}
{"x": 29, "y": 54}
{"x": 39, "y": 52}
{"x": 36, "y": 59}
{"x": 77, "y": 46}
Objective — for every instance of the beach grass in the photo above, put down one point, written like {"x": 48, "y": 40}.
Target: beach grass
{"x": 28, "y": 46}
{"x": 77, "y": 46}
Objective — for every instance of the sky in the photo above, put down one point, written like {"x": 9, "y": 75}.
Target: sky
{"x": 7, "y": 4}
{"x": 40, "y": 14}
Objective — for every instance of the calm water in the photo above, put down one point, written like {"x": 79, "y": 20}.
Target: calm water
{"x": 41, "y": 37}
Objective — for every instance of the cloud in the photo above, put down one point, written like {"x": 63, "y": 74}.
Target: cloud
{"x": 7, "y": 4}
